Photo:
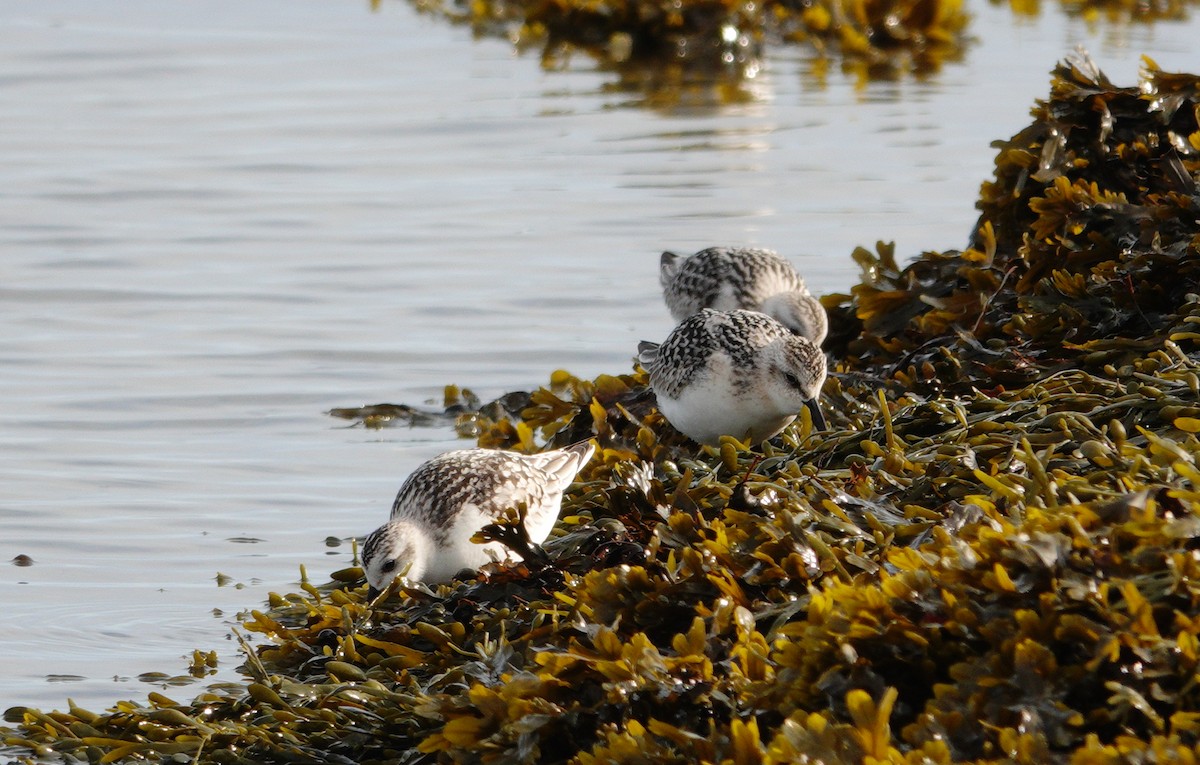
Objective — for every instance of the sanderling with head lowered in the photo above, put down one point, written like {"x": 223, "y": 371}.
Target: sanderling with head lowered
{"x": 735, "y": 373}
{"x": 449, "y": 498}
{"x": 729, "y": 278}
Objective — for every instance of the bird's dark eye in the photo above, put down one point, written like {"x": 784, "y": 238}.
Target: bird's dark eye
{"x": 792, "y": 380}
{"x": 389, "y": 566}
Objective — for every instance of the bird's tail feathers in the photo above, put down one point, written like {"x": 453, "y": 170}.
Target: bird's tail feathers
{"x": 647, "y": 353}
{"x": 569, "y": 460}
{"x": 668, "y": 265}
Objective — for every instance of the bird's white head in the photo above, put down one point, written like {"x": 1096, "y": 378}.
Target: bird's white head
{"x": 397, "y": 548}
{"x": 796, "y": 370}
{"x": 800, "y": 312}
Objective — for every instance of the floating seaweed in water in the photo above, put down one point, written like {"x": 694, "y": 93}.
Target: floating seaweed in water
{"x": 700, "y": 53}
{"x": 1113, "y": 11}
{"x": 708, "y": 50}
{"x": 460, "y": 408}
{"x": 992, "y": 556}
{"x": 704, "y": 52}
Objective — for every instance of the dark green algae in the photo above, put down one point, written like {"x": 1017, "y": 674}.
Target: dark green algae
{"x": 993, "y": 555}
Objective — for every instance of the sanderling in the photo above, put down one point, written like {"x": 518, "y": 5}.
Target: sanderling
{"x": 452, "y": 496}
{"x": 736, "y": 373}
{"x": 729, "y": 278}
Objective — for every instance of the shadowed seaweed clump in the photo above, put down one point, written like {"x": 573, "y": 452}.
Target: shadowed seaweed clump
{"x": 992, "y": 556}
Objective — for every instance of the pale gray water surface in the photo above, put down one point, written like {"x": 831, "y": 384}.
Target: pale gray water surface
{"x": 219, "y": 220}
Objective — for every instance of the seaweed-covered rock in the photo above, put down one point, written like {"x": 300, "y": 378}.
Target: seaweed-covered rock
{"x": 1084, "y": 255}
{"x": 993, "y": 556}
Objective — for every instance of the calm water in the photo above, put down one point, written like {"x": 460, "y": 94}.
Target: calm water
{"x": 219, "y": 220}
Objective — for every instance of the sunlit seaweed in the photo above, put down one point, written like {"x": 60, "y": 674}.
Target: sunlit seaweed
{"x": 993, "y": 556}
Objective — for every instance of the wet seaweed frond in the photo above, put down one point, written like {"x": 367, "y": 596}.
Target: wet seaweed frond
{"x": 992, "y": 555}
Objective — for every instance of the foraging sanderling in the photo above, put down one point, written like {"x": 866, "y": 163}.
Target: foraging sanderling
{"x": 449, "y": 498}
{"x": 736, "y": 373}
{"x": 729, "y": 278}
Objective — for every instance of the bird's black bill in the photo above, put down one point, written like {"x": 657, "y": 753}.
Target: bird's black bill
{"x": 372, "y": 593}
{"x": 818, "y": 419}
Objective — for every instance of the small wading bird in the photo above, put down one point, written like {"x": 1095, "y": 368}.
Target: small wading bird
{"x": 452, "y": 496}
{"x": 729, "y": 278}
{"x": 734, "y": 373}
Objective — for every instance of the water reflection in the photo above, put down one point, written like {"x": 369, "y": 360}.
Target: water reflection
{"x": 678, "y": 89}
